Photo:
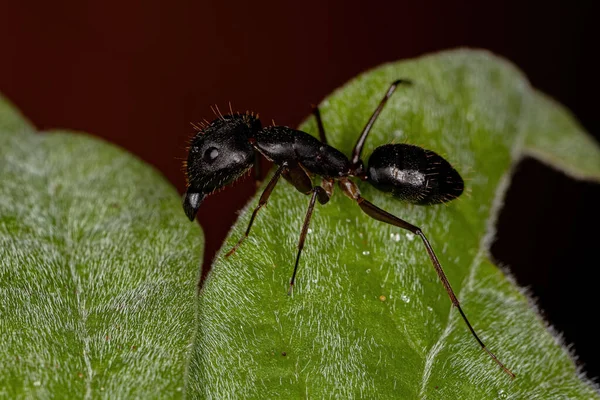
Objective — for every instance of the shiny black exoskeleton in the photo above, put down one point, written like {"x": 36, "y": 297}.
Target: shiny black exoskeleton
{"x": 226, "y": 148}
{"x": 413, "y": 174}
{"x": 229, "y": 146}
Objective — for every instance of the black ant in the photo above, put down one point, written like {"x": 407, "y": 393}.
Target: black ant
{"x": 229, "y": 146}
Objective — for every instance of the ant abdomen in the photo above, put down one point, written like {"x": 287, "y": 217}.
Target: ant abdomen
{"x": 413, "y": 174}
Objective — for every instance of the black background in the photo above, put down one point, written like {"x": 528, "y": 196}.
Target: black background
{"x": 137, "y": 72}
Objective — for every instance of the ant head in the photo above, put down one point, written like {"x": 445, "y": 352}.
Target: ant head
{"x": 219, "y": 153}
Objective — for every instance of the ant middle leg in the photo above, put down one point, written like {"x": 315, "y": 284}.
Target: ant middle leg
{"x": 300, "y": 179}
{"x": 317, "y": 115}
{"x": 263, "y": 200}
{"x": 351, "y": 190}
{"x": 257, "y": 169}
{"x": 317, "y": 193}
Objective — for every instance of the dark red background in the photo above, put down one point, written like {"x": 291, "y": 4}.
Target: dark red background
{"x": 137, "y": 72}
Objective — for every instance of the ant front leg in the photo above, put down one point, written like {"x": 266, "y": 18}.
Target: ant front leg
{"x": 263, "y": 200}
{"x": 351, "y": 190}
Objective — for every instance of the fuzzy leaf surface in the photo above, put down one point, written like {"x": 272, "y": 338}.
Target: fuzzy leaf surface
{"x": 97, "y": 270}
{"x": 368, "y": 317}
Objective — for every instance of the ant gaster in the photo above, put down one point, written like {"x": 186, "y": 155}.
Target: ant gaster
{"x": 229, "y": 146}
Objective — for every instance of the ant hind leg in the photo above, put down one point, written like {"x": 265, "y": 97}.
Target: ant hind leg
{"x": 358, "y": 147}
{"x": 379, "y": 214}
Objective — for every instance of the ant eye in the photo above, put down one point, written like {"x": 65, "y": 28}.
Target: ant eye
{"x": 211, "y": 154}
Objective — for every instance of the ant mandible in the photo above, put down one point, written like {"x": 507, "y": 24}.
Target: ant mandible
{"x": 226, "y": 148}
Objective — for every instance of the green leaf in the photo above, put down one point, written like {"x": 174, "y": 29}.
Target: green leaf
{"x": 98, "y": 270}
{"x": 11, "y": 121}
{"x": 369, "y": 317}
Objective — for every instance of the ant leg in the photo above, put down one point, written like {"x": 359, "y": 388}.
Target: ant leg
{"x": 317, "y": 115}
{"x": 263, "y": 200}
{"x": 355, "y": 160}
{"x": 257, "y": 169}
{"x": 351, "y": 190}
{"x": 297, "y": 176}
{"x": 321, "y": 194}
